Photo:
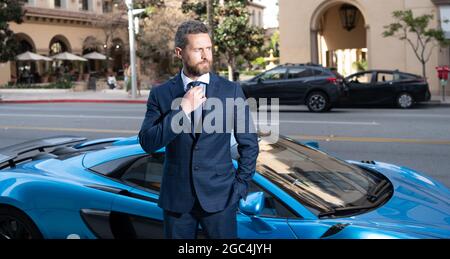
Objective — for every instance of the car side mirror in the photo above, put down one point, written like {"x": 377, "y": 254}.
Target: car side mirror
{"x": 253, "y": 204}
{"x": 259, "y": 80}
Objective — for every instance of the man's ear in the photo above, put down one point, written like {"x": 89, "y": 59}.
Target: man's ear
{"x": 178, "y": 52}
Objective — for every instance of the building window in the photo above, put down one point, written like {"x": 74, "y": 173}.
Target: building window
{"x": 107, "y": 6}
{"x": 58, "y": 3}
{"x": 83, "y": 5}
{"x": 260, "y": 19}
{"x": 253, "y": 17}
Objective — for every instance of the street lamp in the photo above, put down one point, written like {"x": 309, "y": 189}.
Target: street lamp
{"x": 348, "y": 16}
{"x": 131, "y": 31}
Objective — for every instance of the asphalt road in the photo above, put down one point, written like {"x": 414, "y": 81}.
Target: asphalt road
{"x": 418, "y": 138}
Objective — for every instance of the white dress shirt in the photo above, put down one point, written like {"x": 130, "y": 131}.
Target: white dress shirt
{"x": 205, "y": 80}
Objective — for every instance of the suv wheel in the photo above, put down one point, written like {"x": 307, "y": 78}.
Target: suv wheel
{"x": 318, "y": 102}
{"x": 405, "y": 100}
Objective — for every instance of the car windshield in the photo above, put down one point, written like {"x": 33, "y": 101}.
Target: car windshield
{"x": 320, "y": 182}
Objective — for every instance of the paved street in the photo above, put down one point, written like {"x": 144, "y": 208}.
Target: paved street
{"x": 417, "y": 138}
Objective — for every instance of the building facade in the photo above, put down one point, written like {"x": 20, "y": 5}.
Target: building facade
{"x": 313, "y": 31}
{"x": 256, "y": 11}
{"x": 79, "y": 27}
{"x": 75, "y": 26}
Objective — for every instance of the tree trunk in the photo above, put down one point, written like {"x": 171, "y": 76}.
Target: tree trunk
{"x": 231, "y": 67}
{"x": 424, "y": 72}
{"x": 230, "y": 72}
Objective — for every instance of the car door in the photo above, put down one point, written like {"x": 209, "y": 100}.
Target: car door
{"x": 140, "y": 217}
{"x": 384, "y": 88}
{"x": 271, "y": 223}
{"x": 296, "y": 84}
{"x": 136, "y": 214}
{"x": 360, "y": 87}
{"x": 267, "y": 84}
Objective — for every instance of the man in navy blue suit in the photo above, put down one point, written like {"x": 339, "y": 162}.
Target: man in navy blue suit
{"x": 200, "y": 185}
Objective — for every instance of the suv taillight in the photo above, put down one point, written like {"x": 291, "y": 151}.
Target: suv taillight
{"x": 332, "y": 80}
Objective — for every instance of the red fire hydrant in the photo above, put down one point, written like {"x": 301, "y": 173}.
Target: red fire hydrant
{"x": 443, "y": 72}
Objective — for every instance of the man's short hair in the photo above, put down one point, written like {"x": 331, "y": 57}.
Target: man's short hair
{"x": 189, "y": 27}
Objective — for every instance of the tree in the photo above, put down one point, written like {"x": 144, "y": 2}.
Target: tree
{"x": 274, "y": 43}
{"x": 111, "y": 24}
{"x": 415, "y": 31}
{"x": 156, "y": 39}
{"x": 10, "y": 11}
{"x": 233, "y": 35}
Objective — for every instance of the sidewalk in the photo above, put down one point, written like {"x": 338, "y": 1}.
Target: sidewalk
{"x": 68, "y": 95}
{"x": 438, "y": 100}
{"x": 101, "y": 96}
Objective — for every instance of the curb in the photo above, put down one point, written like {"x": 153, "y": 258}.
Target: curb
{"x": 73, "y": 101}
{"x": 435, "y": 103}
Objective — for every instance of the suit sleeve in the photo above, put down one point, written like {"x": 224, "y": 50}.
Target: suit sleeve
{"x": 247, "y": 141}
{"x": 156, "y": 131}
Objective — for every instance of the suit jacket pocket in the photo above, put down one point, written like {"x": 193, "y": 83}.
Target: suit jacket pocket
{"x": 222, "y": 169}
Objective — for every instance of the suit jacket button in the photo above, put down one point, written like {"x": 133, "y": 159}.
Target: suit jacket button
{"x": 195, "y": 167}
{"x": 196, "y": 147}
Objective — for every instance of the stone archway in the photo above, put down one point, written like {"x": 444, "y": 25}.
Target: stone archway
{"x": 25, "y": 71}
{"x": 334, "y": 46}
{"x": 91, "y": 44}
{"x": 58, "y": 44}
{"x": 25, "y": 42}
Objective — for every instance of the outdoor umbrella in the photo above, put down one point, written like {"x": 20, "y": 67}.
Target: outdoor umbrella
{"x": 30, "y": 56}
{"x": 96, "y": 55}
{"x": 68, "y": 56}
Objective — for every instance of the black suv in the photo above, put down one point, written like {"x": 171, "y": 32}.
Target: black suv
{"x": 317, "y": 87}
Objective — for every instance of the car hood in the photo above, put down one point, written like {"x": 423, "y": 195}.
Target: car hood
{"x": 419, "y": 204}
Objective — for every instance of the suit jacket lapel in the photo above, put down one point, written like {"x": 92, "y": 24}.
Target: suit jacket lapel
{"x": 177, "y": 91}
{"x": 211, "y": 92}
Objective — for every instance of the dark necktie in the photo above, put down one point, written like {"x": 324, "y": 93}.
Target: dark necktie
{"x": 197, "y": 113}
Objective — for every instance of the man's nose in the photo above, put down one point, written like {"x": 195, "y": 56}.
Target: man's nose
{"x": 203, "y": 54}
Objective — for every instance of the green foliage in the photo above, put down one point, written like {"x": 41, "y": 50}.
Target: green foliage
{"x": 10, "y": 11}
{"x": 156, "y": 39}
{"x": 259, "y": 61}
{"x": 274, "y": 43}
{"x": 63, "y": 84}
{"x": 252, "y": 72}
{"x": 233, "y": 35}
{"x": 414, "y": 30}
{"x": 361, "y": 65}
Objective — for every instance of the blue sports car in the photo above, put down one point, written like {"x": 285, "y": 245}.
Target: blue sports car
{"x": 68, "y": 187}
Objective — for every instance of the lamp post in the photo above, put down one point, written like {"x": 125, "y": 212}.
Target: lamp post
{"x": 131, "y": 31}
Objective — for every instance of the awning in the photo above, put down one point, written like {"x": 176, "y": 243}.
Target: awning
{"x": 95, "y": 55}
{"x": 30, "y": 56}
{"x": 68, "y": 56}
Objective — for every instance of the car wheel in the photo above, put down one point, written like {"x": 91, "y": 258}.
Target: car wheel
{"x": 16, "y": 225}
{"x": 405, "y": 100}
{"x": 318, "y": 102}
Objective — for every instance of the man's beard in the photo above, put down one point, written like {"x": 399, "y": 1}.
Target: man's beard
{"x": 197, "y": 70}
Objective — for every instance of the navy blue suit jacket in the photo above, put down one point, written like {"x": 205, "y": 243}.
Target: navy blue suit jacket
{"x": 198, "y": 167}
